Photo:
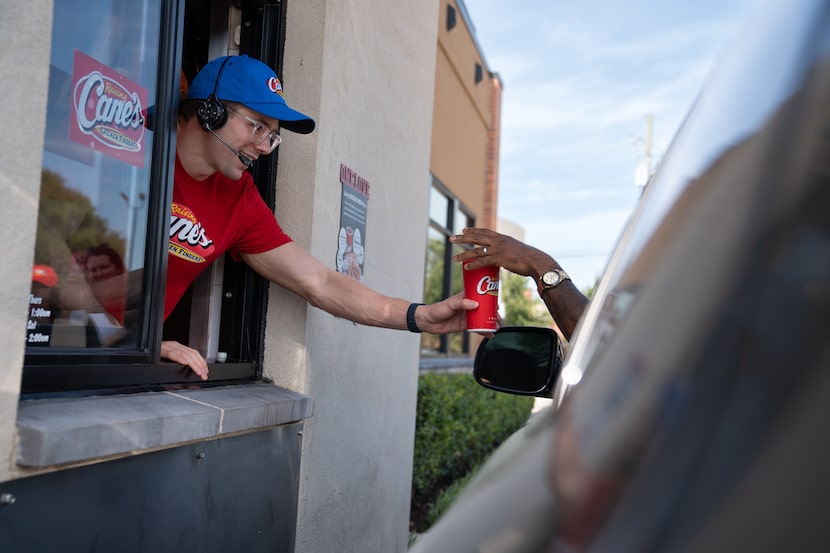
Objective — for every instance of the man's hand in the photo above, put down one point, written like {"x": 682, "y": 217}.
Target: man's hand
{"x": 449, "y": 315}
{"x": 179, "y": 353}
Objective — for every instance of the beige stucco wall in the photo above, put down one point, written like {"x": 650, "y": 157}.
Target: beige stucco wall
{"x": 24, "y": 66}
{"x": 365, "y": 71}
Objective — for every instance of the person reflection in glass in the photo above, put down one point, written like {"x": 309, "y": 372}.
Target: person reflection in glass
{"x": 102, "y": 265}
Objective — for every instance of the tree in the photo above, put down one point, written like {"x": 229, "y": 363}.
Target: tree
{"x": 522, "y": 306}
{"x": 68, "y": 222}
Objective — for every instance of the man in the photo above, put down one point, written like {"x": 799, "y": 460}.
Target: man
{"x": 234, "y": 108}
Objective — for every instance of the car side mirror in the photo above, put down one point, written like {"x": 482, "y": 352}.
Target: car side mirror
{"x": 523, "y": 360}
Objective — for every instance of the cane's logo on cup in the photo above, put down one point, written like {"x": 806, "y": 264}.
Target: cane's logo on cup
{"x": 487, "y": 286}
{"x": 482, "y": 285}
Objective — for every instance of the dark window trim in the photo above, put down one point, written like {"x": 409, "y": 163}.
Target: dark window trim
{"x": 70, "y": 368}
{"x": 245, "y": 293}
{"x": 454, "y": 204}
{"x": 454, "y": 201}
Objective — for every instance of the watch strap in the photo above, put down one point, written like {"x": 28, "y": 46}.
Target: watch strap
{"x": 410, "y": 317}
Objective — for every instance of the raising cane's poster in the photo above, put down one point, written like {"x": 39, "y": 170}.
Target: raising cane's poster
{"x": 107, "y": 113}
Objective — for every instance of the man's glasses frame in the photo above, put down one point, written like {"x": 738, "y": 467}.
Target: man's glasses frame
{"x": 259, "y": 131}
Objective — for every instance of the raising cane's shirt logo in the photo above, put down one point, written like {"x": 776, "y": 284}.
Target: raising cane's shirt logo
{"x": 107, "y": 111}
{"x": 187, "y": 236}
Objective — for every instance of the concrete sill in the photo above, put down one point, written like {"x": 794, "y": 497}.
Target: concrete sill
{"x": 446, "y": 363}
{"x": 70, "y": 430}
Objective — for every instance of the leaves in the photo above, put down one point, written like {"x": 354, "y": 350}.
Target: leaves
{"x": 458, "y": 423}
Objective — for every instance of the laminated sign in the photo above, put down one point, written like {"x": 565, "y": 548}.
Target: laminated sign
{"x": 351, "y": 239}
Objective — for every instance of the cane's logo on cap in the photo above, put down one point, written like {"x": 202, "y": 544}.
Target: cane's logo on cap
{"x": 274, "y": 85}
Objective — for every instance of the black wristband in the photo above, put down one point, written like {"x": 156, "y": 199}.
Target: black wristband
{"x": 410, "y": 317}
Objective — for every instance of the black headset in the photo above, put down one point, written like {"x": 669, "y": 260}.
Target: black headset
{"x": 211, "y": 111}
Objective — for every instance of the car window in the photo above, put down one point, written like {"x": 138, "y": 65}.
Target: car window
{"x": 716, "y": 304}
{"x": 748, "y": 87}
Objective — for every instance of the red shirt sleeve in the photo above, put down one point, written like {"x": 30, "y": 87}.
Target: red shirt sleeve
{"x": 260, "y": 230}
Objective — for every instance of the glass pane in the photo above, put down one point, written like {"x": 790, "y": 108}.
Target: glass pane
{"x": 433, "y": 281}
{"x": 434, "y": 266}
{"x": 456, "y": 341}
{"x": 460, "y": 220}
{"x": 439, "y": 207}
{"x": 95, "y": 179}
{"x": 456, "y": 276}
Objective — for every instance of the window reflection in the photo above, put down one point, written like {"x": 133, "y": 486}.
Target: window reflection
{"x": 443, "y": 277}
{"x": 460, "y": 220}
{"x": 433, "y": 281}
{"x": 457, "y": 342}
{"x": 92, "y": 219}
{"x": 439, "y": 206}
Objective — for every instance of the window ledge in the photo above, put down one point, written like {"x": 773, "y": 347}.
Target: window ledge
{"x": 56, "y": 431}
{"x": 446, "y": 363}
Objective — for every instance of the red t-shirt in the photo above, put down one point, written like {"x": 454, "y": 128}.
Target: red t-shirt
{"x": 207, "y": 219}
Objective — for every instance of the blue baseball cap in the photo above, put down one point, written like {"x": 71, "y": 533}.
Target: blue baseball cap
{"x": 251, "y": 83}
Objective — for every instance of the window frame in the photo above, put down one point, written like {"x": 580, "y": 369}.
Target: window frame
{"x": 73, "y": 368}
{"x": 447, "y": 228}
{"x": 244, "y": 293}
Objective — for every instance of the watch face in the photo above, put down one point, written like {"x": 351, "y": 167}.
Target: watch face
{"x": 551, "y": 278}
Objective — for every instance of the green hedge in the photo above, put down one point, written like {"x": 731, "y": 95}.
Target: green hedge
{"x": 458, "y": 423}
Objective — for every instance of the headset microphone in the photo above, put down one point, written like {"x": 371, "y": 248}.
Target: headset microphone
{"x": 212, "y": 115}
{"x": 242, "y": 157}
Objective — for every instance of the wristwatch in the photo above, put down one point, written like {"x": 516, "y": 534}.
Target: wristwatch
{"x": 552, "y": 279}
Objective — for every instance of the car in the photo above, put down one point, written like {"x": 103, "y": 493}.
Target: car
{"x": 692, "y": 409}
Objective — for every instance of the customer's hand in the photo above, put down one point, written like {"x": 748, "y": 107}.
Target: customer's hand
{"x": 564, "y": 302}
{"x": 493, "y": 248}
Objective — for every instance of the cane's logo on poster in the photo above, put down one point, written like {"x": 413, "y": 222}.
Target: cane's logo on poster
{"x": 187, "y": 235}
{"x": 107, "y": 111}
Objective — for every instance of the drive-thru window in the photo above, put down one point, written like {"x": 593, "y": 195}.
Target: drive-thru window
{"x": 95, "y": 317}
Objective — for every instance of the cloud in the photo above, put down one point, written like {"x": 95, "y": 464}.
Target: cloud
{"x": 580, "y": 78}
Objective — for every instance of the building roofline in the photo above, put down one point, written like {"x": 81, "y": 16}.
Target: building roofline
{"x": 472, "y": 28}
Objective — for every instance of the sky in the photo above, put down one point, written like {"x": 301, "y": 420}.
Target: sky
{"x": 581, "y": 79}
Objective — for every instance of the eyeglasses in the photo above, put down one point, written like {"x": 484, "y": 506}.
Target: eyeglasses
{"x": 259, "y": 131}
